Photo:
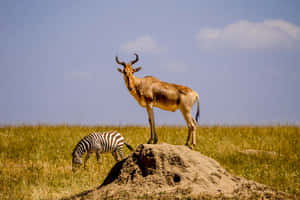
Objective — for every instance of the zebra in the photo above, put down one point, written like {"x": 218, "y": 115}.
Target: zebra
{"x": 103, "y": 142}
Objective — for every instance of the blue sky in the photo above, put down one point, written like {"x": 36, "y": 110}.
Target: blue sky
{"x": 57, "y": 59}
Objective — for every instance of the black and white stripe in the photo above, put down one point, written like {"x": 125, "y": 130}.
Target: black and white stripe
{"x": 99, "y": 143}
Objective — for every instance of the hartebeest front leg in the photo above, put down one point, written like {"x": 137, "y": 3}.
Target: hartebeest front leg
{"x": 153, "y": 137}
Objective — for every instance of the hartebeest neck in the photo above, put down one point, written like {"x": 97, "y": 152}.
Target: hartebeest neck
{"x": 132, "y": 84}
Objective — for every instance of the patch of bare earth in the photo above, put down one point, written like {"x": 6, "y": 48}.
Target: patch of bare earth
{"x": 164, "y": 171}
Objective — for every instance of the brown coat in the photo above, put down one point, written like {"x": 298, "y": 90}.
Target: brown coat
{"x": 151, "y": 92}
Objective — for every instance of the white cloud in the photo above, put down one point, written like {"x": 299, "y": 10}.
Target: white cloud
{"x": 251, "y": 35}
{"x": 144, "y": 44}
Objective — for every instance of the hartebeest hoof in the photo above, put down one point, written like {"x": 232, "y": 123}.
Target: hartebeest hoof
{"x": 190, "y": 146}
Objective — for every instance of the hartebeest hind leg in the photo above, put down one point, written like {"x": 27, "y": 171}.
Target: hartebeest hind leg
{"x": 152, "y": 124}
{"x": 191, "y": 124}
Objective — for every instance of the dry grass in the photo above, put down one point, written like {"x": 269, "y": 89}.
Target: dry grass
{"x": 35, "y": 161}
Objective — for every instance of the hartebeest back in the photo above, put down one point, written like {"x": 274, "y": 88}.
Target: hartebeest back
{"x": 151, "y": 92}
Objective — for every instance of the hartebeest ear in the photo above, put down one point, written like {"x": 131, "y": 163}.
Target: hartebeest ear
{"x": 120, "y": 70}
{"x": 137, "y": 69}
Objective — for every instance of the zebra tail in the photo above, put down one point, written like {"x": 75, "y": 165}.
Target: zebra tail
{"x": 128, "y": 146}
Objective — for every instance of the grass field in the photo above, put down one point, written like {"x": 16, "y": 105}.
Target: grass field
{"x": 35, "y": 161}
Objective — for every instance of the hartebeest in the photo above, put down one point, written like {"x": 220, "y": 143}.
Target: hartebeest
{"x": 151, "y": 92}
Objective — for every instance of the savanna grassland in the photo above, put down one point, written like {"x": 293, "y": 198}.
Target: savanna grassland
{"x": 35, "y": 161}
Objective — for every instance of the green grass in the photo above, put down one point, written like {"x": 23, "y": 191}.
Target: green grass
{"x": 35, "y": 161}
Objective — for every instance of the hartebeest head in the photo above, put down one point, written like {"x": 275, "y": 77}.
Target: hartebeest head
{"x": 128, "y": 71}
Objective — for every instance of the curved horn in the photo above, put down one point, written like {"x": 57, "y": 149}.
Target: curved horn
{"x": 136, "y": 59}
{"x": 120, "y": 63}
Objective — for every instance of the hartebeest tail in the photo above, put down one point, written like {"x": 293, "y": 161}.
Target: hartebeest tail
{"x": 198, "y": 110}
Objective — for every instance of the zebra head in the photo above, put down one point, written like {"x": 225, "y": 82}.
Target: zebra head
{"x": 76, "y": 161}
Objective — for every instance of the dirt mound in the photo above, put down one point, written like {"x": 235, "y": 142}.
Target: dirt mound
{"x": 173, "y": 172}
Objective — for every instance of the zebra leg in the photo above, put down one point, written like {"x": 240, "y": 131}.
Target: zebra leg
{"x": 86, "y": 158}
{"x": 120, "y": 151}
{"x": 98, "y": 156}
{"x": 114, "y": 153}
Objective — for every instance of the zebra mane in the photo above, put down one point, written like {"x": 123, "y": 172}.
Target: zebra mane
{"x": 74, "y": 150}
{"x": 77, "y": 150}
